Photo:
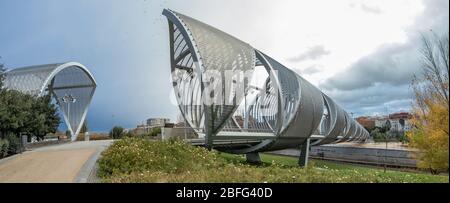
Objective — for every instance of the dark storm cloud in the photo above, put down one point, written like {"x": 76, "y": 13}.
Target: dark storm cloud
{"x": 380, "y": 81}
{"x": 312, "y": 53}
{"x": 378, "y": 99}
{"x": 378, "y": 94}
{"x": 392, "y": 64}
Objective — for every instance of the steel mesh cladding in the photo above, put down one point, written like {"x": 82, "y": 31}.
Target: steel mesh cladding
{"x": 238, "y": 114}
{"x": 70, "y": 84}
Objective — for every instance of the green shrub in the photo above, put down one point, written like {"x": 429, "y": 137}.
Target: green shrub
{"x": 128, "y": 134}
{"x": 134, "y": 154}
{"x": 15, "y": 144}
{"x": 4, "y": 146}
{"x": 155, "y": 132}
{"x": 10, "y": 144}
{"x": 117, "y": 132}
{"x": 134, "y": 160}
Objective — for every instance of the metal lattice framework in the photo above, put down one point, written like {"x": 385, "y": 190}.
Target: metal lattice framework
{"x": 70, "y": 84}
{"x": 291, "y": 111}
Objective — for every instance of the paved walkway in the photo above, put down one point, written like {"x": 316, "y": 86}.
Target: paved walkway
{"x": 71, "y": 162}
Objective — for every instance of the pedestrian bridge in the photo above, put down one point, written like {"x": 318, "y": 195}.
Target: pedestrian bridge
{"x": 240, "y": 100}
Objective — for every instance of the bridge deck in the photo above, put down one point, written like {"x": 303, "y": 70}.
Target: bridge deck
{"x": 239, "y": 138}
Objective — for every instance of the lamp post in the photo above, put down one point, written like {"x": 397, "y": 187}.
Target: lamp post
{"x": 68, "y": 98}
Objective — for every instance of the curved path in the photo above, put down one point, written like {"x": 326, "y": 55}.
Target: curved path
{"x": 66, "y": 163}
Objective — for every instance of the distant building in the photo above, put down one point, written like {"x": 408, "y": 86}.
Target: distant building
{"x": 380, "y": 121}
{"x": 401, "y": 115}
{"x": 141, "y": 129}
{"x": 366, "y": 122}
{"x": 399, "y": 122}
{"x": 151, "y": 123}
{"x": 181, "y": 124}
{"x": 157, "y": 122}
{"x": 180, "y": 129}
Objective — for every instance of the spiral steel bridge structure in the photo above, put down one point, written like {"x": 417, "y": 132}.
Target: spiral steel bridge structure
{"x": 242, "y": 101}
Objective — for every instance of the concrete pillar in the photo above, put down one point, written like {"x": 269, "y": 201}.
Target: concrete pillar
{"x": 163, "y": 134}
{"x": 86, "y": 136}
{"x": 208, "y": 140}
{"x": 253, "y": 158}
{"x": 304, "y": 154}
{"x": 24, "y": 142}
{"x": 208, "y": 134}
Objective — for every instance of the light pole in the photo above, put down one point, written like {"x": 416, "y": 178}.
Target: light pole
{"x": 68, "y": 98}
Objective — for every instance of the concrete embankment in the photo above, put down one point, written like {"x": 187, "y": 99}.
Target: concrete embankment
{"x": 395, "y": 155}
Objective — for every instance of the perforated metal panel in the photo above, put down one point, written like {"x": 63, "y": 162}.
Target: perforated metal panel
{"x": 336, "y": 126}
{"x": 215, "y": 51}
{"x": 298, "y": 110}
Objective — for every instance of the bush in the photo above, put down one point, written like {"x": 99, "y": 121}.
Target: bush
{"x": 134, "y": 160}
{"x": 117, "y": 132}
{"x": 9, "y": 145}
{"x": 15, "y": 144}
{"x": 134, "y": 154}
{"x": 128, "y": 134}
{"x": 155, "y": 132}
{"x": 4, "y": 147}
{"x": 378, "y": 135}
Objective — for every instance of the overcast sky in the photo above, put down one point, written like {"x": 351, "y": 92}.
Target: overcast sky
{"x": 361, "y": 53}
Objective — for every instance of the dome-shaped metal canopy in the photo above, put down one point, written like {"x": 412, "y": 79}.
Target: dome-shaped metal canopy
{"x": 71, "y": 85}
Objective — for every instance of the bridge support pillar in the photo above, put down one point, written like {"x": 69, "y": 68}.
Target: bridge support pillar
{"x": 304, "y": 154}
{"x": 253, "y": 158}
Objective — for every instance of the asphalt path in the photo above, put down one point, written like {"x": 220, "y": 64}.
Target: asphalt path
{"x": 64, "y": 163}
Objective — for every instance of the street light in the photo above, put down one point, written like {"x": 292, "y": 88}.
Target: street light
{"x": 68, "y": 98}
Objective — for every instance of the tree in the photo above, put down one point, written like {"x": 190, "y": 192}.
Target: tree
{"x": 44, "y": 117}
{"x": 2, "y": 71}
{"x": 23, "y": 113}
{"x": 381, "y": 134}
{"x": 15, "y": 113}
{"x": 117, "y": 132}
{"x": 3, "y": 108}
{"x": 431, "y": 107}
{"x": 2, "y": 74}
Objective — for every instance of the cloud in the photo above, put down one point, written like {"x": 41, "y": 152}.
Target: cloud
{"x": 374, "y": 100}
{"x": 366, "y": 8}
{"x": 378, "y": 94}
{"x": 392, "y": 64}
{"x": 310, "y": 70}
{"x": 313, "y": 53}
{"x": 370, "y": 9}
{"x": 379, "y": 82}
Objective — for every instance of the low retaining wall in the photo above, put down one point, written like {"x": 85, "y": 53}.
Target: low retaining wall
{"x": 45, "y": 143}
{"x": 375, "y": 156}
{"x": 180, "y": 133}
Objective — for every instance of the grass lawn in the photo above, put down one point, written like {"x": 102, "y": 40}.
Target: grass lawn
{"x": 287, "y": 161}
{"x": 140, "y": 161}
